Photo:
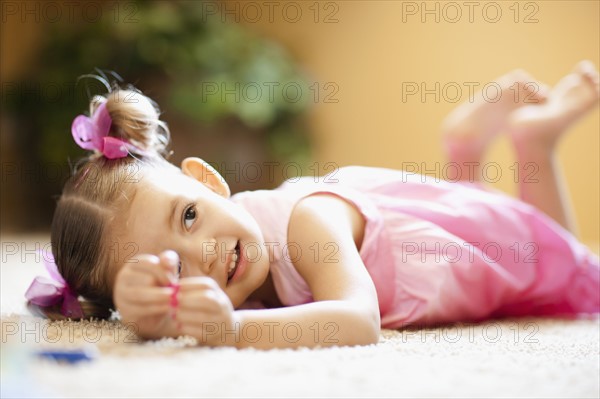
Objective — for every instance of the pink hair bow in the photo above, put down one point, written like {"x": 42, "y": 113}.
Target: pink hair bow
{"x": 91, "y": 133}
{"x": 47, "y": 292}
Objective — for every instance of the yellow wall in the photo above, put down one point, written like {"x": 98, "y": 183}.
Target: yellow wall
{"x": 370, "y": 52}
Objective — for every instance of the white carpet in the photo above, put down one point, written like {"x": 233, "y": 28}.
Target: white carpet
{"x": 529, "y": 357}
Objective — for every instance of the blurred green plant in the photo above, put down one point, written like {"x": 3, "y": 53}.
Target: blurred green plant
{"x": 210, "y": 71}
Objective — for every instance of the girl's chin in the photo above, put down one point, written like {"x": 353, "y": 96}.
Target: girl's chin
{"x": 254, "y": 277}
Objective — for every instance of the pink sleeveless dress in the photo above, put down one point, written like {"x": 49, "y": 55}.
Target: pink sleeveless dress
{"x": 438, "y": 251}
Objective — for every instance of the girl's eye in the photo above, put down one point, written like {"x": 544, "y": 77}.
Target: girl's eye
{"x": 179, "y": 267}
{"x": 189, "y": 215}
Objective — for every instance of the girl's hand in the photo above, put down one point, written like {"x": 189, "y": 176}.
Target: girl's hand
{"x": 143, "y": 291}
{"x": 205, "y": 312}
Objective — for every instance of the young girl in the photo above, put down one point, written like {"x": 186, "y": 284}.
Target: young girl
{"x": 329, "y": 262}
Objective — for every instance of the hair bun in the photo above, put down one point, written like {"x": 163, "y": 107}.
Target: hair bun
{"x": 135, "y": 118}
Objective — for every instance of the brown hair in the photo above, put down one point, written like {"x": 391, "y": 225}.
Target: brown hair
{"x": 85, "y": 221}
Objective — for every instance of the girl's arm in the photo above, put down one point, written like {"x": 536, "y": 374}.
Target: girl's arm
{"x": 346, "y": 310}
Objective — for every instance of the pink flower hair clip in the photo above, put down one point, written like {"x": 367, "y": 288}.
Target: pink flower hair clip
{"x": 46, "y": 292}
{"x": 91, "y": 133}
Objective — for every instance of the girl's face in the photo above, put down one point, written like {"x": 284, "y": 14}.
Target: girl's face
{"x": 189, "y": 211}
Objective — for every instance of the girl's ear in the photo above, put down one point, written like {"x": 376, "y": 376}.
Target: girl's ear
{"x": 205, "y": 174}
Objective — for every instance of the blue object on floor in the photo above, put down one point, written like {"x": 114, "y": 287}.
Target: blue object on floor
{"x": 71, "y": 356}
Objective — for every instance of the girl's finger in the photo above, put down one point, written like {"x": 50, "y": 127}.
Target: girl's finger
{"x": 141, "y": 311}
{"x": 209, "y": 333}
{"x": 134, "y": 278}
{"x": 194, "y": 283}
{"x": 149, "y": 295}
{"x": 197, "y": 318}
{"x": 200, "y": 300}
{"x": 201, "y": 321}
{"x": 169, "y": 261}
{"x": 199, "y": 304}
{"x": 153, "y": 268}
{"x": 197, "y": 311}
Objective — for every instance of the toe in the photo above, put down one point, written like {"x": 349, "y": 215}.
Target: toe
{"x": 536, "y": 92}
{"x": 543, "y": 90}
{"x": 587, "y": 68}
{"x": 519, "y": 76}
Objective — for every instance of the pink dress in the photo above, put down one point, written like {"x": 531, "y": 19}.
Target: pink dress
{"x": 438, "y": 251}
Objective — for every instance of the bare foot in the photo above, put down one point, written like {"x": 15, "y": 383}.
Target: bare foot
{"x": 470, "y": 128}
{"x": 571, "y": 98}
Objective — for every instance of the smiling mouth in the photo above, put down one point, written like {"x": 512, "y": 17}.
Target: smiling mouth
{"x": 234, "y": 263}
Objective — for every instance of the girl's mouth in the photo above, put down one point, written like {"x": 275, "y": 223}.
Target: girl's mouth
{"x": 234, "y": 262}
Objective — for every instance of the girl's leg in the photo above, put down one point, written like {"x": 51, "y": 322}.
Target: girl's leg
{"x": 535, "y": 131}
{"x": 469, "y": 129}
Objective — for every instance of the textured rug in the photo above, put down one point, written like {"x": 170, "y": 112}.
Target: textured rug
{"x": 526, "y": 357}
